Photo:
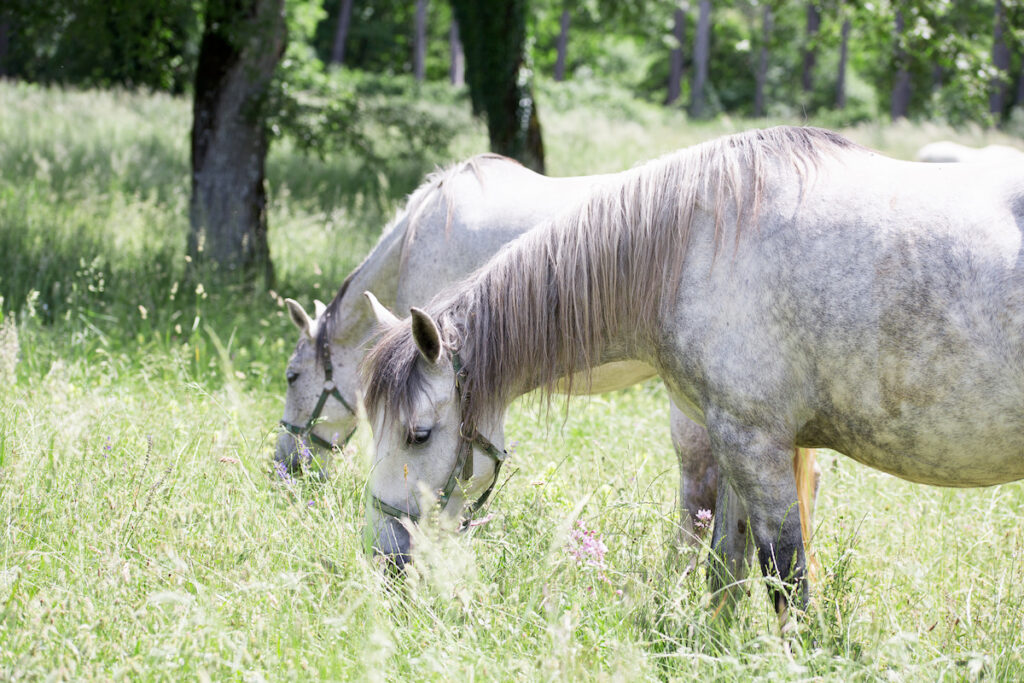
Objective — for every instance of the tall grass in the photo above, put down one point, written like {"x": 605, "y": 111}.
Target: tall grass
{"x": 144, "y": 534}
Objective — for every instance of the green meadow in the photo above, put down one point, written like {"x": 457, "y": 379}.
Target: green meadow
{"x": 144, "y": 533}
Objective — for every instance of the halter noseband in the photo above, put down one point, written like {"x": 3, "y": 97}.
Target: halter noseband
{"x": 330, "y": 389}
{"x": 463, "y": 462}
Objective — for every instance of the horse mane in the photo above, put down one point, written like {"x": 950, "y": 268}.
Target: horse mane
{"x": 436, "y": 186}
{"x": 539, "y": 310}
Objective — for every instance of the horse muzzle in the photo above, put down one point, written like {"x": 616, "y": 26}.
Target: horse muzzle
{"x": 393, "y": 544}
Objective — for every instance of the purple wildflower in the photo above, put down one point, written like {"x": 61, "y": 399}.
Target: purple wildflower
{"x": 305, "y": 453}
{"x": 282, "y": 473}
{"x": 107, "y": 448}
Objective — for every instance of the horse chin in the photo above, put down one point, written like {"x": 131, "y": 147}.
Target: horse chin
{"x": 393, "y": 545}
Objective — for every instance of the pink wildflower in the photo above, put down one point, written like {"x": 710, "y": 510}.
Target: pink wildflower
{"x": 586, "y": 547}
{"x": 703, "y": 520}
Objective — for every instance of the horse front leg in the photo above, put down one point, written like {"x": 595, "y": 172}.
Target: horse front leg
{"x": 730, "y": 548}
{"x": 759, "y": 469}
{"x": 698, "y": 479}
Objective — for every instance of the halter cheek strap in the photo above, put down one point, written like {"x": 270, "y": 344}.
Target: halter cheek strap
{"x": 469, "y": 438}
{"x": 330, "y": 389}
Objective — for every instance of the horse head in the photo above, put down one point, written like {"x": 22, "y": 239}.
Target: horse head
{"x": 319, "y": 412}
{"x": 425, "y": 454}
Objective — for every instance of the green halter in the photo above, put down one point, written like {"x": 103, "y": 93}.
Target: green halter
{"x": 330, "y": 389}
{"x": 463, "y": 461}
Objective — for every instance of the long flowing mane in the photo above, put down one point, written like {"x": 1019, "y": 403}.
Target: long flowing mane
{"x": 436, "y": 187}
{"x": 539, "y": 311}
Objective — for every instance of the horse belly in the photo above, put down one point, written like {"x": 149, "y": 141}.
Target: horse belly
{"x": 609, "y": 377}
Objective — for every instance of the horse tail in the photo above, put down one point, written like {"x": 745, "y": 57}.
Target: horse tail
{"x": 807, "y": 474}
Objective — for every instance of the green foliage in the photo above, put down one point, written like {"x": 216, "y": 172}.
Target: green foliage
{"x": 378, "y": 118}
{"x": 132, "y": 43}
{"x": 380, "y": 38}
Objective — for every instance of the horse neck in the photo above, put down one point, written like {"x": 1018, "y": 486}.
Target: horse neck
{"x": 516, "y": 338}
{"x": 378, "y": 273}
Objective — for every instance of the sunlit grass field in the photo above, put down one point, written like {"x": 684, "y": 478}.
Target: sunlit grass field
{"x": 144, "y": 533}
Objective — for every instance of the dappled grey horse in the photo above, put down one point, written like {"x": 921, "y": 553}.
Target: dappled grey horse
{"x": 452, "y": 224}
{"x": 791, "y": 289}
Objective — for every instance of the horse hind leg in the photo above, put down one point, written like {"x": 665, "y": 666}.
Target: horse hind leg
{"x": 759, "y": 470}
{"x": 807, "y": 474}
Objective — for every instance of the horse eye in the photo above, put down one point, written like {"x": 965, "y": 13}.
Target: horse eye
{"x": 418, "y": 437}
{"x": 291, "y": 376}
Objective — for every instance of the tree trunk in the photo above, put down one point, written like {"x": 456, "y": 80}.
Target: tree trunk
{"x": 810, "y": 47}
{"x": 701, "y": 56}
{"x": 419, "y": 58}
{"x": 762, "y": 62}
{"x": 900, "y": 104}
{"x": 341, "y": 32}
{"x": 494, "y": 38}
{"x": 675, "y": 74}
{"x": 5, "y": 43}
{"x": 563, "y": 44}
{"x": 1019, "y": 100}
{"x": 457, "y": 70}
{"x": 1001, "y": 61}
{"x": 937, "y": 77}
{"x": 240, "y": 48}
{"x": 844, "y": 45}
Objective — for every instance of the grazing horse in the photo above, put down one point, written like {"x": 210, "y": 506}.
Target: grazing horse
{"x": 453, "y": 223}
{"x": 791, "y": 289}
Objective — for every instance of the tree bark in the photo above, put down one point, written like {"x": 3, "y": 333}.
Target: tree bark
{"x": 494, "y": 38}
{"x": 701, "y": 57}
{"x": 675, "y": 74}
{"x": 341, "y": 32}
{"x": 810, "y": 47}
{"x": 844, "y": 45}
{"x": 1001, "y": 61}
{"x": 563, "y": 44}
{"x": 900, "y": 103}
{"x": 5, "y": 43}
{"x": 242, "y": 43}
{"x": 419, "y": 60}
{"x": 762, "y": 62}
{"x": 457, "y": 70}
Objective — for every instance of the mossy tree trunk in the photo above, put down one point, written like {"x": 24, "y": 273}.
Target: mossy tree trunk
{"x": 242, "y": 43}
{"x": 676, "y": 59}
{"x": 701, "y": 58}
{"x": 500, "y": 85}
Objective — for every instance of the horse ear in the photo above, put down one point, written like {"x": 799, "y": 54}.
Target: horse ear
{"x": 318, "y": 309}
{"x": 299, "y": 317}
{"x": 426, "y": 335}
{"x": 383, "y": 315}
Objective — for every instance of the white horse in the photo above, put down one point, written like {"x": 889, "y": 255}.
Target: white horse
{"x": 453, "y": 223}
{"x": 944, "y": 152}
{"x": 790, "y": 288}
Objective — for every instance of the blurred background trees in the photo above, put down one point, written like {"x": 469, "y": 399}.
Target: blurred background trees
{"x": 362, "y": 76}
